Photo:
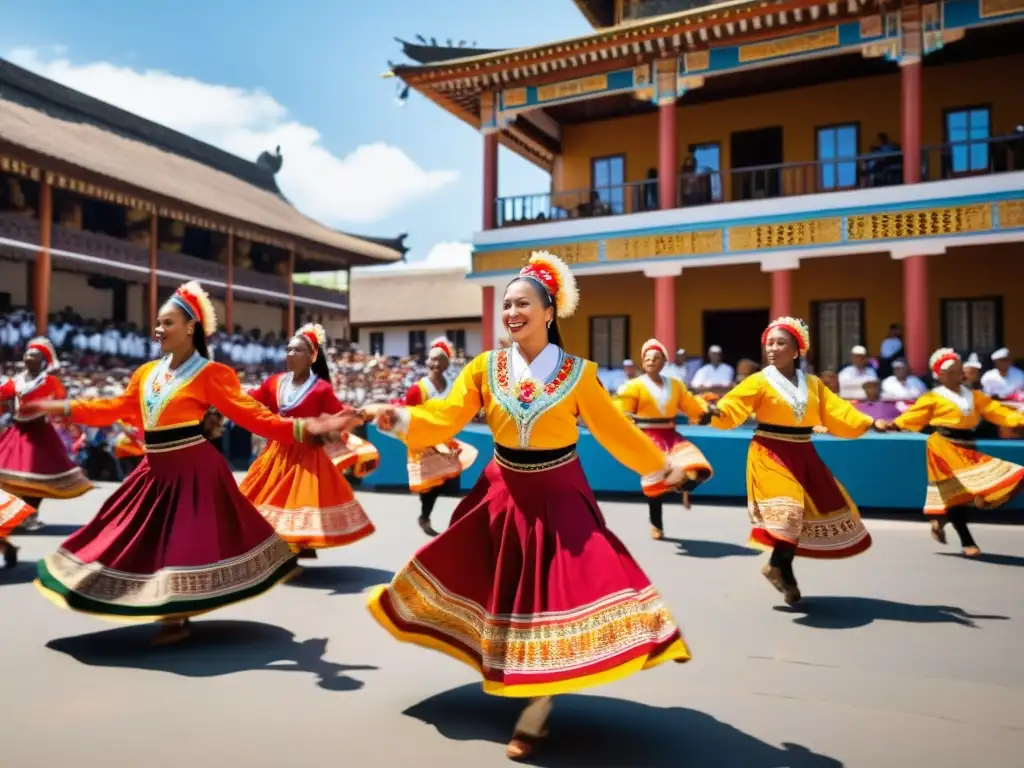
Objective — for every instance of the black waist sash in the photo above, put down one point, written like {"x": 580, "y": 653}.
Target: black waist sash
{"x": 957, "y": 434}
{"x": 533, "y": 461}
{"x": 655, "y": 422}
{"x": 173, "y": 438}
{"x": 776, "y": 429}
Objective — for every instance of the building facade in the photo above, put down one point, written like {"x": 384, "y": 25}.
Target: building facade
{"x": 712, "y": 165}
{"x": 398, "y": 310}
{"x": 102, "y": 211}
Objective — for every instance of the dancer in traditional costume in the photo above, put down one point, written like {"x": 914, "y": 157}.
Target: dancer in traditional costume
{"x": 436, "y": 469}
{"x": 296, "y": 486}
{"x": 527, "y": 585}
{"x": 960, "y": 476}
{"x": 177, "y": 538}
{"x": 654, "y": 400}
{"x": 13, "y": 512}
{"x": 34, "y": 465}
{"x": 796, "y": 506}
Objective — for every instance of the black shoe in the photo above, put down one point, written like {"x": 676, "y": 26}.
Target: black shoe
{"x": 426, "y": 527}
{"x": 10, "y": 556}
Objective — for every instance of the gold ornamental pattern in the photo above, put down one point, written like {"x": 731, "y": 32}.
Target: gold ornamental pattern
{"x": 790, "y": 235}
{"x": 920, "y": 223}
{"x": 515, "y": 259}
{"x": 657, "y": 246}
{"x": 1011, "y": 214}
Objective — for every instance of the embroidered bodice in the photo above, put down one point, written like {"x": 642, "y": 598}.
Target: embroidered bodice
{"x": 311, "y": 398}
{"x": 531, "y": 406}
{"x": 159, "y": 398}
{"x": 647, "y": 399}
{"x": 27, "y": 388}
{"x": 957, "y": 410}
{"x": 775, "y": 400}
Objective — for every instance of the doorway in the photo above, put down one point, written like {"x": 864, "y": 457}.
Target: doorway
{"x": 736, "y": 331}
{"x": 755, "y": 149}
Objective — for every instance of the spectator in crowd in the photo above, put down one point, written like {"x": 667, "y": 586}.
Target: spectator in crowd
{"x": 901, "y": 385}
{"x": 1005, "y": 379}
{"x": 715, "y": 376}
{"x": 853, "y": 376}
{"x": 972, "y": 371}
{"x": 890, "y": 350}
{"x": 682, "y": 368}
{"x": 830, "y": 380}
{"x": 744, "y": 368}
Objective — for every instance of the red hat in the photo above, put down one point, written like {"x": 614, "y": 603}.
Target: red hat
{"x": 794, "y": 326}
{"x": 654, "y": 344}
{"x": 941, "y": 359}
{"x": 314, "y": 335}
{"x": 193, "y": 299}
{"x": 44, "y": 346}
{"x": 553, "y": 273}
{"x": 444, "y": 345}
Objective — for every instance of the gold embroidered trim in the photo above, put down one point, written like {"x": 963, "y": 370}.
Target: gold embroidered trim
{"x": 549, "y": 642}
{"x": 176, "y": 445}
{"x": 784, "y": 438}
{"x": 338, "y": 520}
{"x": 786, "y": 518}
{"x": 542, "y": 467}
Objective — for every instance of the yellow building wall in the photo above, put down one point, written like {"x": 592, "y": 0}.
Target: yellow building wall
{"x": 875, "y": 278}
{"x": 871, "y": 102}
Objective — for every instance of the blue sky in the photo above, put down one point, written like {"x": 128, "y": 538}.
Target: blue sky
{"x": 305, "y": 74}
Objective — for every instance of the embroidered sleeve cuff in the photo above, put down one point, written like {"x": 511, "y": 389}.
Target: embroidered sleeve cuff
{"x": 67, "y": 408}
{"x": 401, "y": 428}
{"x": 299, "y": 430}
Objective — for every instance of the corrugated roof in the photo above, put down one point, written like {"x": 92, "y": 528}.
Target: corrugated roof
{"x": 389, "y": 295}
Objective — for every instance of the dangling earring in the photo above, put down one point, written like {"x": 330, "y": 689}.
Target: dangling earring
{"x": 549, "y": 325}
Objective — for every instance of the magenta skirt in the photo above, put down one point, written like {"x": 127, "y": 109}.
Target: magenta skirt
{"x": 176, "y": 539}
{"x": 34, "y": 463}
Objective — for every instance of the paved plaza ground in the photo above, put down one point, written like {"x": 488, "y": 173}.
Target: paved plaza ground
{"x": 905, "y": 656}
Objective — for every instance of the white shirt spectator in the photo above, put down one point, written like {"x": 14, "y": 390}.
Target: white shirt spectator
{"x": 711, "y": 376}
{"x": 999, "y": 385}
{"x": 851, "y": 381}
{"x": 894, "y": 389}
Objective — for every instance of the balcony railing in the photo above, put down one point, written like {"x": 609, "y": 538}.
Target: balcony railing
{"x": 706, "y": 187}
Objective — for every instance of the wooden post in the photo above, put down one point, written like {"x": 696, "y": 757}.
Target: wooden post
{"x": 154, "y": 246}
{"x": 290, "y": 325}
{"x": 229, "y": 295}
{"x": 43, "y": 267}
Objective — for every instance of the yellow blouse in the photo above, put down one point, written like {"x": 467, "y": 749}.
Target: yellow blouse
{"x": 645, "y": 400}
{"x": 957, "y": 410}
{"x": 773, "y": 399}
{"x": 531, "y": 414}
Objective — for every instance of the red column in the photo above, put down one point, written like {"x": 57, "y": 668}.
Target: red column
{"x": 490, "y": 190}
{"x": 665, "y": 312}
{"x": 43, "y": 268}
{"x": 487, "y": 318}
{"x": 915, "y": 268}
{"x": 668, "y": 157}
{"x": 782, "y": 293}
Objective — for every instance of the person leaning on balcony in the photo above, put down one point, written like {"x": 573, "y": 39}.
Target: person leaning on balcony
{"x": 1005, "y": 379}
{"x": 902, "y": 385}
{"x": 715, "y": 374}
{"x": 853, "y": 376}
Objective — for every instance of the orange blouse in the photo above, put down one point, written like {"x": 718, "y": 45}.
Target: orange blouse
{"x": 161, "y": 402}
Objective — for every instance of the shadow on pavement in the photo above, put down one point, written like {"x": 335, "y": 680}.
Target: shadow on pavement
{"x": 710, "y": 550}
{"x": 596, "y": 731}
{"x": 59, "y": 530}
{"x": 215, "y": 648}
{"x": 1013, "y": 561}
{"x": 340, "y": 579}
{"x": 854, "y": 612}
{"x": 23, "y": 573}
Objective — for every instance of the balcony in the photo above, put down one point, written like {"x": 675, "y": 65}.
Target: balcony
{"x": 707, "y": 187}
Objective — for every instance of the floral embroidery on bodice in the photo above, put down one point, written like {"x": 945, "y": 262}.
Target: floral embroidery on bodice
{"x": 525, "y": 399}
{"x": 160, "y": 384}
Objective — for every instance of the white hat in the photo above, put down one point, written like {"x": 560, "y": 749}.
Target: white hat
{"x": 1001, "y": 354}
{"x": 973, "y": 361}
{"x": 626, "y": 362}
{"x": 858, "y": 350}
{"x": 714, "y": 349}
{"x": 680, "y": 351}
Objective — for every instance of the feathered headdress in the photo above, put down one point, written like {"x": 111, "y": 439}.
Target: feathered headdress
{"x": 44, "y": 347}
{"x": 314, "y": 335}
{"x": 941, "y": 359}
{"x": 794, "y": 326}
{"x": 197, "y": 305}
{"x": 653, "y": 344}
{"x": 554, "y": 275}
{"x": 444, "y": 345}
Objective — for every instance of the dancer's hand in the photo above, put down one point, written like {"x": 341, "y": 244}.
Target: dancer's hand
{"x": 330, "y": 428}
{"x": 881, "y": 425}
{"x": 386, "y": 416}
{"x": 818, "y": 429}
{"x": 711, "y": 413}
{"x": 674, "y": 476}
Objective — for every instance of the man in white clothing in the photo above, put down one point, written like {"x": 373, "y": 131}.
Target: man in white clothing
{"x": 714, "y": 375}
{"x": 901, "y": 385}
{"x": 1005, "y": 380}
{"x": 853, "y": 376}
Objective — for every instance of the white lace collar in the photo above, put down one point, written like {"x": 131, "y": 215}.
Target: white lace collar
{"x": 963, "y": 400}
{"x": 432, "y": 391}
{"x": 660, "y": 392}
{"x": 795, "y": 396}
{"x": 542, "y": 368}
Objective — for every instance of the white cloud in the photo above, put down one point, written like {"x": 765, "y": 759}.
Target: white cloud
{"x": 369, "y": 184}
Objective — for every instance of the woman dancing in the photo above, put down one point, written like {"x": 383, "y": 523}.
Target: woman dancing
{"x": 654, "y": 400}
{"x": 436, "y": 469}
{"x": 34, "y": 465}
{"x": 796, "y": 506}
{"x": 960, "y": 476}
{"x": 527, "y": 585}
{"x": 177, "y": 538}
{"x": 296, "y": 486}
